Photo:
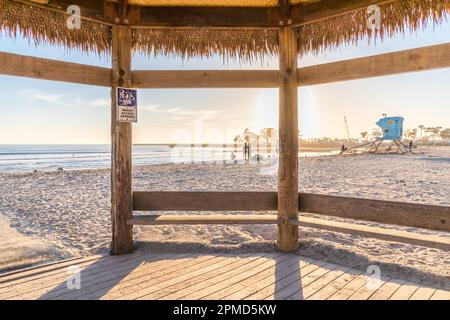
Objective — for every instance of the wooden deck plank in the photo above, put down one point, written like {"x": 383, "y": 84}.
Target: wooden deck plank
{"x": 25, "y": 272}
{"x": 100, "y": 262}
{"x": 199, "y": 294}
{"x": 91, "y": 275}
{"x": 44, "y": 280}
{"x": 198, "y": 280}
{"x": 148, "y": 275}
{"x": 155, "y": 269}
{"x": 208, "y": 293}
{"x": 188, "y": 281}
{"x": 260, "y": 272}
{"x": 293, "y": 287}
{"x": 441, "y": 295}
{"x": 334, "y": 286}
{"x": 105, "y": 282}
{"x": 308, "y": 290}
{"x": 146, "y": 293}
{"x": 215, "y": 276}
{"x": 366, "y": 291}
{"x": 35, "y": 273}
{"x": 405, "y": 291}
{"x": 171, "y": 279}
{"x": 243, "y": 266}
{"x": 387, "y": 289}
{"x": 279, "y": 273}
{"x": 347, "y": 290}
{"x": 423, "y": 293}
{"x": 283, "y": 282}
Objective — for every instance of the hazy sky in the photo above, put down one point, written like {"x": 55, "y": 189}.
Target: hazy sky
{"x": 35, "y": 111}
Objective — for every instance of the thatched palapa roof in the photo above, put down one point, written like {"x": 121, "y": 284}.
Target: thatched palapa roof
{"x": 46, "y": 23}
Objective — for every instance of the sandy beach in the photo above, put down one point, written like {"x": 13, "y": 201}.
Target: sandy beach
{"x": 68, "y": 212}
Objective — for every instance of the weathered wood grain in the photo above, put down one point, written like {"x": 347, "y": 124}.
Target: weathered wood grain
{"x": 413, "y": 60}
{"x": 46, "y": 69}
{"x": 389, "y": 212}
{"x": 121, "y": 141}
{"x": 287, "y": 239}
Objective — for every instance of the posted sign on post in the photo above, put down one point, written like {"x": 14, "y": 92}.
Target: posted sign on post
{"x": 126, "y": 105}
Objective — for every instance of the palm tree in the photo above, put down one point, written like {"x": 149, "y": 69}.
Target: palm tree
{"x": 436, "y": 131}
{"x": 364, "y": 135}
{"x": 445, "y": 134}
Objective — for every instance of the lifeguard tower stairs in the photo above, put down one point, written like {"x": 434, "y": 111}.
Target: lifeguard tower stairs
{"x": 390, "y": 142}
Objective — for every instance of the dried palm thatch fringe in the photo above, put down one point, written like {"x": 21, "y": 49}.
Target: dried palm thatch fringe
{"x": 248, "y": 45}
{"x": 397, "y": 17}
{"x": 44, "y": 26}
{"x": 40, "y": 25}
{"x": 244, "y": 45}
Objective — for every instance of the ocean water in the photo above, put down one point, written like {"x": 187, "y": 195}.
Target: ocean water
{"x": 27, "y": 158}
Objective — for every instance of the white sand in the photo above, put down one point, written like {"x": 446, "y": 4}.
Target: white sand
{"x": 71, "y": 209}
{"x": 19, "y": 251}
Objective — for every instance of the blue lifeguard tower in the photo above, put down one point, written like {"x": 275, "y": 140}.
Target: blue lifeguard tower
{"x": 392, "y": 128}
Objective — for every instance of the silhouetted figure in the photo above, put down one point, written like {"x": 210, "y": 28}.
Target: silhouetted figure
{"x": 245, "y": 150}
{"x": 343, "y": 148}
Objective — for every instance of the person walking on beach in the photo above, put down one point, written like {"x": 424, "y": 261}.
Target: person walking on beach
{"x": 245, "y": 150}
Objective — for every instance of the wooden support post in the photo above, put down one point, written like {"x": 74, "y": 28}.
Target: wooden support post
{"x": 288, "y": 134}
{"x": 121, "y": 141}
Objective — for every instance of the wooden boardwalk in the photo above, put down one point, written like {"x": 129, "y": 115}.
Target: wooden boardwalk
{"x": 205, "y": 276}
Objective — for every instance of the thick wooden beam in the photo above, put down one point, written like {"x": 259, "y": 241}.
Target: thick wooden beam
{"x": 388, "y": 212}
{"x": 195, "y": 219}
{"x": 121, "y": 141}
{"x": 238, "y": 17}
{"x": 413, "y": 60}
{"x": 204, "y": 201}
{"x": 317, "y": 223}
{"x": 322, "y": 10}
{"x": 413, "y": 238}
{"x": 208, "y": 17}
{"x": 205, "y": 79}
{"x": 288, "y": 135}
{"x": 211, "y": 17}
{"x": 45, "y": 69}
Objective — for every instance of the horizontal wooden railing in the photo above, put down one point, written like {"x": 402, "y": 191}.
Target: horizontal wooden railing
{"x": 431, "y": 241}
{"x": 167, "y": 79}
{"x": 389, "y": 212}
{"x": 413, "y": 60}
{"x": 392, "y": 63}
{"x": 47, "y": 69}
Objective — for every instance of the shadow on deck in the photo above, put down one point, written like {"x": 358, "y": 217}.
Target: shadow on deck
{"x": 206, "y": 275}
